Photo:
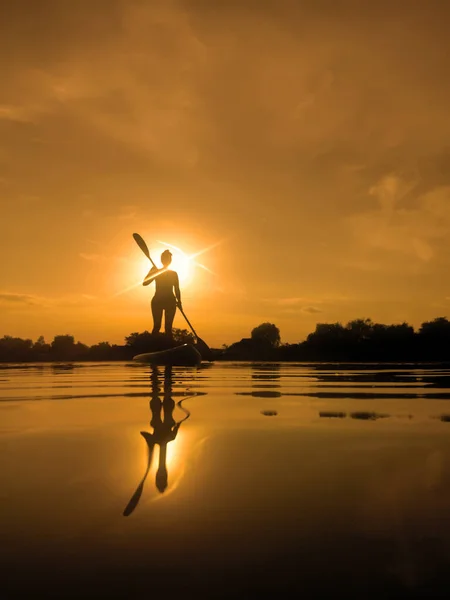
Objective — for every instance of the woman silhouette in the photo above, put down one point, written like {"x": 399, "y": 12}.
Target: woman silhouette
{"x": 167, "y": 294}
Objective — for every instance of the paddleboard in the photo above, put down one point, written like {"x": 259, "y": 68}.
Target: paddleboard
{"x": 185, "y": 355}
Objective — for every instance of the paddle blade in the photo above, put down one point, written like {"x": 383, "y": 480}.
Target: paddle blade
{"x": 204, "y": 349}
{"x": 134, "y": 500}
{"x": 138, "y": 493}
{"x": 142, "y": 245}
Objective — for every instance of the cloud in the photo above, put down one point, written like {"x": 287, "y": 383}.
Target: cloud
{"x": 311, "y": 309}
{"x": 287, "y": 301}
{"x": 17, "y": 114}
{"x": 99, "y": 258}
{"x": 136, "y": 87}
{"x": 128, "y": 213}
{"x": 307, "y": 302}
{"x": 92, "y": 257}
{"x": 75, "y": 300}
{"x": 164, "y": 84}
{"x": 390, "y": 190}
{"x": 17, "y": 300}
{"x": 405, "y": 222}
{"x": 20, "y": 299}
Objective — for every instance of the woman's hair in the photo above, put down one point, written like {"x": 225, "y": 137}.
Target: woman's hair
{"x": 166, "y": 256}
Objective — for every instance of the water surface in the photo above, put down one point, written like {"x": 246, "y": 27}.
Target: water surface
{"x": 228, "y": 480}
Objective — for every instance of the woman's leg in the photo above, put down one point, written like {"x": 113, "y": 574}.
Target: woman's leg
{"x": 170, "y": 310}
{"x": 157, "y": 310}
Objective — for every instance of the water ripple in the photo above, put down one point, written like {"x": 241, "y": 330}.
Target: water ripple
{"x": 283, "y": 384}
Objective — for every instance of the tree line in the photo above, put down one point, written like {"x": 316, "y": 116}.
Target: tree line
{"x": 64, "y": 347}
{"x": 360, "y": 340}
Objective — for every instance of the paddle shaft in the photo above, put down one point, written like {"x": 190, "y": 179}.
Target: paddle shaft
{"x": 188, "y": 322}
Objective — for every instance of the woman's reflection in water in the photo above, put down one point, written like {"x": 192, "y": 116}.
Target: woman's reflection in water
{"x": 165, "y": 430}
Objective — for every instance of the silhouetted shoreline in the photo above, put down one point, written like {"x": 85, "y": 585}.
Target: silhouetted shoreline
{"x": 360, "y": 341}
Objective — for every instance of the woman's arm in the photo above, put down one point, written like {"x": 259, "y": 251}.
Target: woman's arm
{"x": 176, "y": 286}
{"x": 151, "y": 276}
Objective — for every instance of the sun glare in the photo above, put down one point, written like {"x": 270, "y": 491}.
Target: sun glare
{"x": 182, "y": 263}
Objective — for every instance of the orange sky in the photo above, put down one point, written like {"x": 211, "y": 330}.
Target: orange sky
{"x": 311, "y": 139}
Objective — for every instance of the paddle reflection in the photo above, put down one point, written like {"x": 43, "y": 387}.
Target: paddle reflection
{"x": 165, "y": 430}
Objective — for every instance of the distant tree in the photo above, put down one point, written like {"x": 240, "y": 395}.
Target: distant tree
{"x": 101, "y": 351}
{"x": 63, "y": 347}
{"x": 438, "y": 328}
{"x": 361, "y": 329}
{"x": 148, "y": 342}
{"x": 182, "y": 336}
{"x": 14, "y": 349}
{"x": 361, "y": 339}
{"x": 328, "y": 331}
{"x": 328, "y": 341}
{"x": 140, "y": 342}
{"x": 391, "y": 342}
{"x": 81, "y": 351}
{"x": 41, "y": 350}
{"x": 40, "y": 343}
{"x": 293, "y": 351}
{"x": 434, "y": 339}
{"x": 267, "y": 333}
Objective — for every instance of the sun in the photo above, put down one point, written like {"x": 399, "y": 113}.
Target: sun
{"x": 185, "y": 265}
{"x": 181, "y": 262}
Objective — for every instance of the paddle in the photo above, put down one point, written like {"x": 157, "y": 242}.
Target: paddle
{"x": 203, "y": 347}
{"x": 137, "y": 494}
{"x": 143, "y": 246}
